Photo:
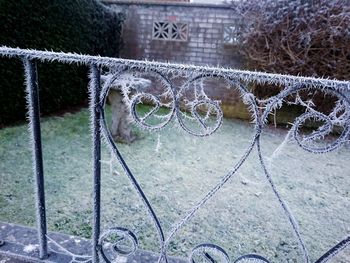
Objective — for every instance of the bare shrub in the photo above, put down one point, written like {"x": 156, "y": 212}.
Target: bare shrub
{"x": 306, "y": 37}
{"x": 298, "y": 37}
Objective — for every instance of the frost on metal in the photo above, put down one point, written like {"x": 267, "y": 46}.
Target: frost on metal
{"x": 189, "y": 103}
{"x": 32, "y": 98}
{"x": 56, "y": 247}
{"x": 178, "y": 95}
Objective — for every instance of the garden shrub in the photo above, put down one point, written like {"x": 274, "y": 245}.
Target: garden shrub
{"x": 81, "y": 26}
{"x": 298, "y": 37}
{"x": 307, "y": 37}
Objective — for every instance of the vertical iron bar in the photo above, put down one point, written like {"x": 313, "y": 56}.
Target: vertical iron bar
{"x": 95, "y": 90}
{"x": 32, "y": 90}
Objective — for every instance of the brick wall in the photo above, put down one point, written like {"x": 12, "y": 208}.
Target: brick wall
{"x": 204, "y": 44}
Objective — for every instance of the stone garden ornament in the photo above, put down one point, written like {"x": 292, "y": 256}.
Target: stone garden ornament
{"x": 121, "y": 118}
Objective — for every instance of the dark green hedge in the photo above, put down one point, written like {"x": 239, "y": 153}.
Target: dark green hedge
{"x": 82, "y": 26}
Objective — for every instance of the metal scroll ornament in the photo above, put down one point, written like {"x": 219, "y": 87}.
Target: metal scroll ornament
{"x": 206, "y": 116}
{"x": 116, "y": 243}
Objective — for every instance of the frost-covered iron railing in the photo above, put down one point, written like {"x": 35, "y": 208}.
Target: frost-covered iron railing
{"x": 181, "y": 107}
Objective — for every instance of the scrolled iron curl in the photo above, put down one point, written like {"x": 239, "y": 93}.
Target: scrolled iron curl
{"x": 195, "y": 113}
{"x": 125, "y": 235}
{"x": 194, "y": 110}
{"x": 326, "y": 129}
{"x": 137, "y": 99}
{"x": 175, "y": 110}
{"x": 210, "y": 253}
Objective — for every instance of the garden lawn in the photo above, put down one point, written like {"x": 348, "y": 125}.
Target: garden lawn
{"x": 175, "y": 170}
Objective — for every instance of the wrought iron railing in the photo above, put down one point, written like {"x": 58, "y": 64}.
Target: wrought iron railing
{"x": 207, "y": 116}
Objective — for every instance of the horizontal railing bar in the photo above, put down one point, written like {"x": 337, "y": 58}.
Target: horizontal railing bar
{"x": 243, "y": 75}
{"x": 167, "y": 3}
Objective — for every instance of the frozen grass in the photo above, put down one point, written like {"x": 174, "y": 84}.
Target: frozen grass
{"x": 175, "y": 170}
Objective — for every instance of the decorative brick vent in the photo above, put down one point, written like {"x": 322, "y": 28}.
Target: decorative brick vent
{"x": 230, "y": 36}
{"x": 170, "y": 31}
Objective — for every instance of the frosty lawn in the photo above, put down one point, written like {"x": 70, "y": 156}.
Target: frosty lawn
{"x": 176, "y": 170}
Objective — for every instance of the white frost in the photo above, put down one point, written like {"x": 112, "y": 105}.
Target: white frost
{"x": 30, "y": 248}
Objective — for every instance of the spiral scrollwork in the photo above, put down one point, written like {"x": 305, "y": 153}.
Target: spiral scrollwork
{"x": 310, "y": 142}
{"x": 208, "y": 253}
{"x": 142, "y": 121}
{"x": 117, "y": 242}
{"x": 306, "y": 142}
{"x": 251, "y": 258}
{"x": 199, "y": 115}
{"x": 200, "y": 112}
{"x": 314, "y": 142}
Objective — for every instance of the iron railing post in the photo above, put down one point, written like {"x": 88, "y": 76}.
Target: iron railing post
{"x": 95, "y": 90}
{"x": 32, "y": 90}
